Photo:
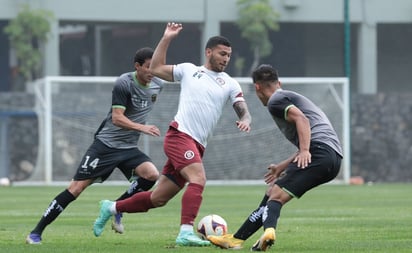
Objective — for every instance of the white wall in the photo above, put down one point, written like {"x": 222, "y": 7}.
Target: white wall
{"x": 381, "y": 11}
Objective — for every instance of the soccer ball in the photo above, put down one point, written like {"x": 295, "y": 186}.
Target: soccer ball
{"x": 4, "y": 181}
{"x": 211, "y": 224}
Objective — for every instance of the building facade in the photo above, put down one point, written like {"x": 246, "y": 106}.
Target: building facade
{"x": 98, "y": 37}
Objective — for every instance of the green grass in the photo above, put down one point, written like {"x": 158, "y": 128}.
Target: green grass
{"x": 331, "y": 218}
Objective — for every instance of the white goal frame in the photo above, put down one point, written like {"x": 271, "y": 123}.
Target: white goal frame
{"x": 343, "y": 101}
{"x": 43, "y": 95}
{"x": 45, "y": 102}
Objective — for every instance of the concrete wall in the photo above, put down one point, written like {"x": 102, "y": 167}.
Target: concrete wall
{"x": 382, "y": 137}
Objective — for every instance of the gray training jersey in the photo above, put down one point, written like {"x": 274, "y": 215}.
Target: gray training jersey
{"x": 138, "y": 101}
{"x": 321, "y": 128}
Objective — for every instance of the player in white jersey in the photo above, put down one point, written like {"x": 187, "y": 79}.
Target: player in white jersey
{"x": 115, "y": 145}
{"x": 203, "y": 100}
{"x": 204, "y": 92}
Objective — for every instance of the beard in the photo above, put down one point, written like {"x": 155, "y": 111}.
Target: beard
{"x": 215, "y": 66}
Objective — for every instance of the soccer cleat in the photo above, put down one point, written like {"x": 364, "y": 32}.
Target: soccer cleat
{"x": 117, "y": 225}
{"x": 266, "y": 240}
{"x": 33, "y": 239}
{"x": 188, "y": 238}
{"x": 104, "y": 216}
{"x": 226, "y": 241}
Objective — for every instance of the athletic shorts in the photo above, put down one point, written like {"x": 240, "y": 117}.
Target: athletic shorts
{"x": 324, "y": 167}
{"x": 99, "y": 161}
{"x": 181, "y": 150}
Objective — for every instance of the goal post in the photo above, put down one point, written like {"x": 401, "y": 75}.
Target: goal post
{"x": 48, "y": 92}
{"x": 341, "y": 96}
{"x": 331, "y": 94}
{"x": 71, "y": 108}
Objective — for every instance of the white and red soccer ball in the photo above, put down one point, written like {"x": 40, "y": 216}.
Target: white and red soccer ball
{"x": 211, "y": 224}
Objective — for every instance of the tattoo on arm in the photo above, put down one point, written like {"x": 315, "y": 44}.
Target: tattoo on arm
{"x": 242, "y": 111}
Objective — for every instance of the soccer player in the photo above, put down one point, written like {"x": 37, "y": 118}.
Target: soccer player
{"x": 204, "y": 91}
{"x": 115, "y": 143}
{"x": 317, "y": 160}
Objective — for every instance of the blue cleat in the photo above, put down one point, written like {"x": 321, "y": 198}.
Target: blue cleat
{"x": 117, "y": 225}
{"x": 104, "y": 216}
{"x": 33, "y": 239}
{"x": 188, "y": 238}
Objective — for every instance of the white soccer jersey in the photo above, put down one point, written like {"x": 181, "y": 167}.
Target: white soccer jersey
{"x": 203, "y": 96}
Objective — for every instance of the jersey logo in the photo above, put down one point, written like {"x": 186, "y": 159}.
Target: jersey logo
{"x": 198, "y": 74}
{"x": 154, "y": 97}
{"x": 138, "y": 102}
{"x": 189, "y": 154}
{"x": 265, "y": 213}
{"x": 220, "y": 81}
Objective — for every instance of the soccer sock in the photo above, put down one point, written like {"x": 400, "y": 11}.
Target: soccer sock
{"x": 253, "y": 222}
{"x": 191, "y": 201}
{"x": 55, "y": 208}
{"x": 272, "y": 214}
{"x": 140, "y": 202}
{"x": 186, "y": 227}
{"x": 139, "y": 185}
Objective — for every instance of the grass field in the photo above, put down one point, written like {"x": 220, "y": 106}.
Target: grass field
{"x": 331, "y": 218}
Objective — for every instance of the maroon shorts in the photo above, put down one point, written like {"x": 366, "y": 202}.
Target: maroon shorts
{"x": 181, "y": 150}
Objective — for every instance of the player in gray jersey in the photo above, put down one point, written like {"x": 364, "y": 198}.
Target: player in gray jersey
{"x": 115, "y": 144}
{"x": 316, "y": 162}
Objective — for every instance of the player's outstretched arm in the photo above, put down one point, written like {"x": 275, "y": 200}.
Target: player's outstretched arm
{"x": 158, "y": 65}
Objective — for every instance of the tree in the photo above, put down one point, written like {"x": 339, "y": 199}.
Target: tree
{"x": 256, "y": 18}
{"x": 27, "y": 34}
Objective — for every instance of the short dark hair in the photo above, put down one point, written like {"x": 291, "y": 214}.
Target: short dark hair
{"x": 217, "y": 40}
{"x": 143, "y": 54}
{"x": 265, "y": 73}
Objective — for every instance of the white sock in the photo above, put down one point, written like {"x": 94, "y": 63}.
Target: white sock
{"x": 113, "y": 208}
{"x": 186, "y": 227}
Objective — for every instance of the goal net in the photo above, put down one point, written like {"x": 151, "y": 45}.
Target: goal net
{"x": 70, "y": 109}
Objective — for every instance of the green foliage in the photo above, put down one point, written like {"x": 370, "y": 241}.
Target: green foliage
{"x": 330, "y": 218}
{"x": 239, "y": 65}
{"x": 256, "y": 19}
{"x": 27, "y": 33}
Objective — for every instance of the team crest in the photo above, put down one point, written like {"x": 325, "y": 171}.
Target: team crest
{"x": 220, "y": 81}
{"x": 189, "y": 155}
{"x": 154, "y": 97}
